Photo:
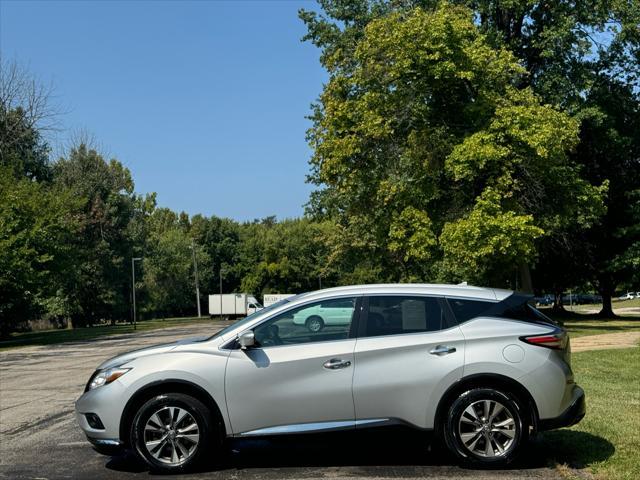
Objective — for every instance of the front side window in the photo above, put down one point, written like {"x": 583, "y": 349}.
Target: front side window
{"x": 395, "y": 315}
{"x": 322, "y": 321}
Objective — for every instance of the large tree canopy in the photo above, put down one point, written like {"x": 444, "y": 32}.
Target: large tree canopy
{"x": 99, "y": 279}
{"x": 37, "y": 227}
{"x": 431, "y": 156}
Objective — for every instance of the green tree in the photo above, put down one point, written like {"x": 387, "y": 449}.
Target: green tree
{"x": 220, "y": 241}
{"x": 168, "y": 265}
{"x": 99, "y": 280}
{"x": 25, "y": 112}
{"x": 37, "y": 225}
{"x": 573, "y": 52}
{"x": 22, "y": 148}
{"x": 422, "y": 135}
{"x": 285, "y": 257}
{"x": 610, "y": 151}
{"x": 585, "y": 57}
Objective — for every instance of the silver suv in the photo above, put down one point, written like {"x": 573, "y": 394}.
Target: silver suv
{"x": 480, "y": 367}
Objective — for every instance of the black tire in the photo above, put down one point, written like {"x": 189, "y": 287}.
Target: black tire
{"x": 207, "y": 430}
{"x": 314, "y": 324}
{"x": 485, "y": 437}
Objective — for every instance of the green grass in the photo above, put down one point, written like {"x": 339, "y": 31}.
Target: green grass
{"x": 616, "y": 304}
{"x": 49, "y": 337}
{"x": 580, "y": 324}
{"x": 607, "y": 441}
{"x": 626, "y": 303}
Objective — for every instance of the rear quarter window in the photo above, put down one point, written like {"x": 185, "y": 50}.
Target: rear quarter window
{"x": 465, "y": 310}
{"x": 527, "y": 313}
{"x": 515, "y": 307}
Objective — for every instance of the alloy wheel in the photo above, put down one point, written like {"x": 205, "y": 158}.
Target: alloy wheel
{"x": 315, "y": 325}
{"x": 171, "y": 435}
{"x": 487, "y": 429}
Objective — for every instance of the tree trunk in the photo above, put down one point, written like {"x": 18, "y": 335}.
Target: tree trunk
{"x": 558, "y": 306}
{"x": 607, "y": 310}
{"x": 5, "y": 330}
{"x": 526, "y": 284}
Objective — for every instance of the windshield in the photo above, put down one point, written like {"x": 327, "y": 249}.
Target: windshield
{"x": 249, "y": 318}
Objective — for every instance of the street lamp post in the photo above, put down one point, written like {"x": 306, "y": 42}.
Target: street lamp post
{"x": 222, "y": 272}
{"x": 133, "y": 287}
{"x": 195, "y": 270}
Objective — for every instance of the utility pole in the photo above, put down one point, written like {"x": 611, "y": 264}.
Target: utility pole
{"x": 133, "y": 287}
{"x": 195, "y": 271}
{"x": 221, "y": 292}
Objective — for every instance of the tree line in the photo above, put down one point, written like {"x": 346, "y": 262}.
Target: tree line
{"x": 490, "y": 142}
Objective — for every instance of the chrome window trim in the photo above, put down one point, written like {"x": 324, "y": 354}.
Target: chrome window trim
{"x": 266, "y": 349}
{"x": 430, "y": 332}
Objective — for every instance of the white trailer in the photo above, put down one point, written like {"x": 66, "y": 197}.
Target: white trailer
{"x": 271, "y": 298}
{"x": 233, "y": 304}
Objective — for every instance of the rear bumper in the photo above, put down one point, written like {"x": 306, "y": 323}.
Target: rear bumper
{"x": 572, "y": 415}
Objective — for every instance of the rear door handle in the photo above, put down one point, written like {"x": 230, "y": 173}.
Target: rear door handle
{"x": 336, "y": 363}
{"x": 442, "y": 350}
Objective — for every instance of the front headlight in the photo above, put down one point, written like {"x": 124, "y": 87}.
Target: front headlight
{"x": 103, "y": 377}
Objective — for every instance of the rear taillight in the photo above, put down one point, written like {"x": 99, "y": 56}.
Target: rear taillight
{"x": 555, "y": 341}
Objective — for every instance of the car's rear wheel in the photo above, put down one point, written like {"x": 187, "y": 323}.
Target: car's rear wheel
{"x": 173, "y": 432}
{"x": 314, "y": 324}
{"x": 485, "y": 426}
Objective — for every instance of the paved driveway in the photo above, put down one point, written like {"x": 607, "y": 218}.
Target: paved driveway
{"x": 40, "y": 439}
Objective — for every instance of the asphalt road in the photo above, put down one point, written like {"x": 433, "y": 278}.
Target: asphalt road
{"x": 39, "y": 437}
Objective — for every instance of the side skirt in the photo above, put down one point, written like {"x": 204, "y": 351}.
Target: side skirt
{"x": 317, "y": 427}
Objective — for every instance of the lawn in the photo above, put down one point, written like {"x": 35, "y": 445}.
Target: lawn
{"x": 616, "y": 304}
{"x": 48, "y": 337}
{"x": 581, "y": 324}
{"x": 607, "y": 441}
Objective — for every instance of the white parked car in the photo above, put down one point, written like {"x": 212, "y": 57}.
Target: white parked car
{"x": 627, "y": 296}
{"x": 316, "y": 317}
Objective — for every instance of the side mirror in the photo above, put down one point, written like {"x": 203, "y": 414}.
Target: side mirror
{"x": 246, "y": 339}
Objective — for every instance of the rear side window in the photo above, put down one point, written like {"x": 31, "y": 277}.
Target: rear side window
{"x": 465, "y": 310}
{"x": 526, "y": 313}
{"x": 394, "y": 315}
{"x": 514, "y": 307}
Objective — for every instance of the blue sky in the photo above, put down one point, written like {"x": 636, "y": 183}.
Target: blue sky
{"x": 204, "y": 102}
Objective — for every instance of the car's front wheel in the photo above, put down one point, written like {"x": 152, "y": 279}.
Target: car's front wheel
{"x": 485, "y": 426}
{"x": 172, "y": 432}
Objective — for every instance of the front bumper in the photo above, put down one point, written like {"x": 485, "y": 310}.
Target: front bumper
{"x": 106, "y": 403}
{"x": 572, "y": 415}
{"x": 106, "y": 446}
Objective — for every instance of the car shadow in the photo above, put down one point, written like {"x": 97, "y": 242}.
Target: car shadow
{"x": 574, "y": 448}
{"x": 372, "y": 449}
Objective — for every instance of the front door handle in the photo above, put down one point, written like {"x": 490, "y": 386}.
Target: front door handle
{"x": 336, "y": 363}
{"x": 442, "y": 350}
